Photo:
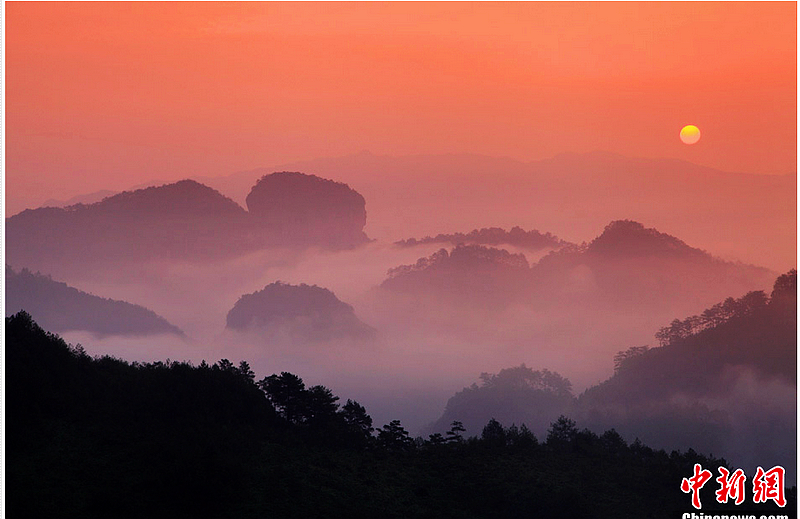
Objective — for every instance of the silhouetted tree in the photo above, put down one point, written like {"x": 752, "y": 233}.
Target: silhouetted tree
{"x": 287, "y": 393}
{"x": 494, "y": 434}
{"x": 245, "y": 371}
{"x": 526, "y": 437}
{"x": 436, "y": 439}
{"x": 319, "y": 405}
{"x": 454, "y": 435}
{"x": 394, "y": 437}
{"x": 785, "y": 286}
{"x": 357, "y": 420}
{"x": 562, "y": 431}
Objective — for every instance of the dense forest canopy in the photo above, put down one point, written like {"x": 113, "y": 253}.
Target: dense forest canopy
{"x": 94, "y": 437}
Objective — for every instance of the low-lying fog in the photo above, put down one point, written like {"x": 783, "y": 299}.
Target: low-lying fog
{"x": 422, "y": 355}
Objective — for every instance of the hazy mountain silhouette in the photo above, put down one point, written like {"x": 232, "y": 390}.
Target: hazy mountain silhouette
{"x": 184, "y": 219}
{"x": 625, "y": 238}
{"x": 517, "y": 395}
{"x": 630, "y": 265}
{"x": 63, "y": 308}
{"x": 744, "y": 216}
{"x": 302, "y": 311}
{"x": 626, "y": 266}
{"x": 532, "y": 240}
{"x": 308, "y": 209}
{"x": 467, "y": 274}
{"x": 188, "y": 220}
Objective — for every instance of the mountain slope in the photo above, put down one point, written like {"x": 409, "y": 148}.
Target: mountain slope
{"x": 724, "y": 381}
{"x": 63, "y": 308}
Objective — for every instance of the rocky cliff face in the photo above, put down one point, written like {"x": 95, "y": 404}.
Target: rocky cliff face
{"x": 297, "y": 208}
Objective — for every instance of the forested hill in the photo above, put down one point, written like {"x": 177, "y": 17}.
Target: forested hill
{"x": 308, "y": 312}
{"x": 755, "y": 332}
{"x": 100, "y": 437}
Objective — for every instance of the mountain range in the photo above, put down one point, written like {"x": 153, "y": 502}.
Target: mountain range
{"x": 628, "y": 265}
{"x": 739, "y": 216}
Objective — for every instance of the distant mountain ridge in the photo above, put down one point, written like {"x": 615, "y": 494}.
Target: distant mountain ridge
{"x": 627, "y": 264}
{"x": 533, "y": 240}
{"x": 88, "y": 198}
{"x": 64, "y": 308}
{"x": 178, "y": 199}
{"x": 737, "y": 215}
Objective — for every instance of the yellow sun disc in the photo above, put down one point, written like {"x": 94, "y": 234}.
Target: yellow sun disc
{"x": 690, "y": 134}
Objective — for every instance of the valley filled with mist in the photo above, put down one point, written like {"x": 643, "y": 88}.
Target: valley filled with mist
{"x": 408, "y": 322}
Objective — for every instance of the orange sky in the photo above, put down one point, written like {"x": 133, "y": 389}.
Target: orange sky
{"x": 107, "y": 95}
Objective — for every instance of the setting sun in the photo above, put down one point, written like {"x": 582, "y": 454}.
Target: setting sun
{"x": 690, "y": 134}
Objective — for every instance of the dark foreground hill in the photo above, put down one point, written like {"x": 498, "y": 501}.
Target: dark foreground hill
{"x": 305, "y": 311}
{"x": 63, "y": 308}
{"x": 104, "y": 438}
